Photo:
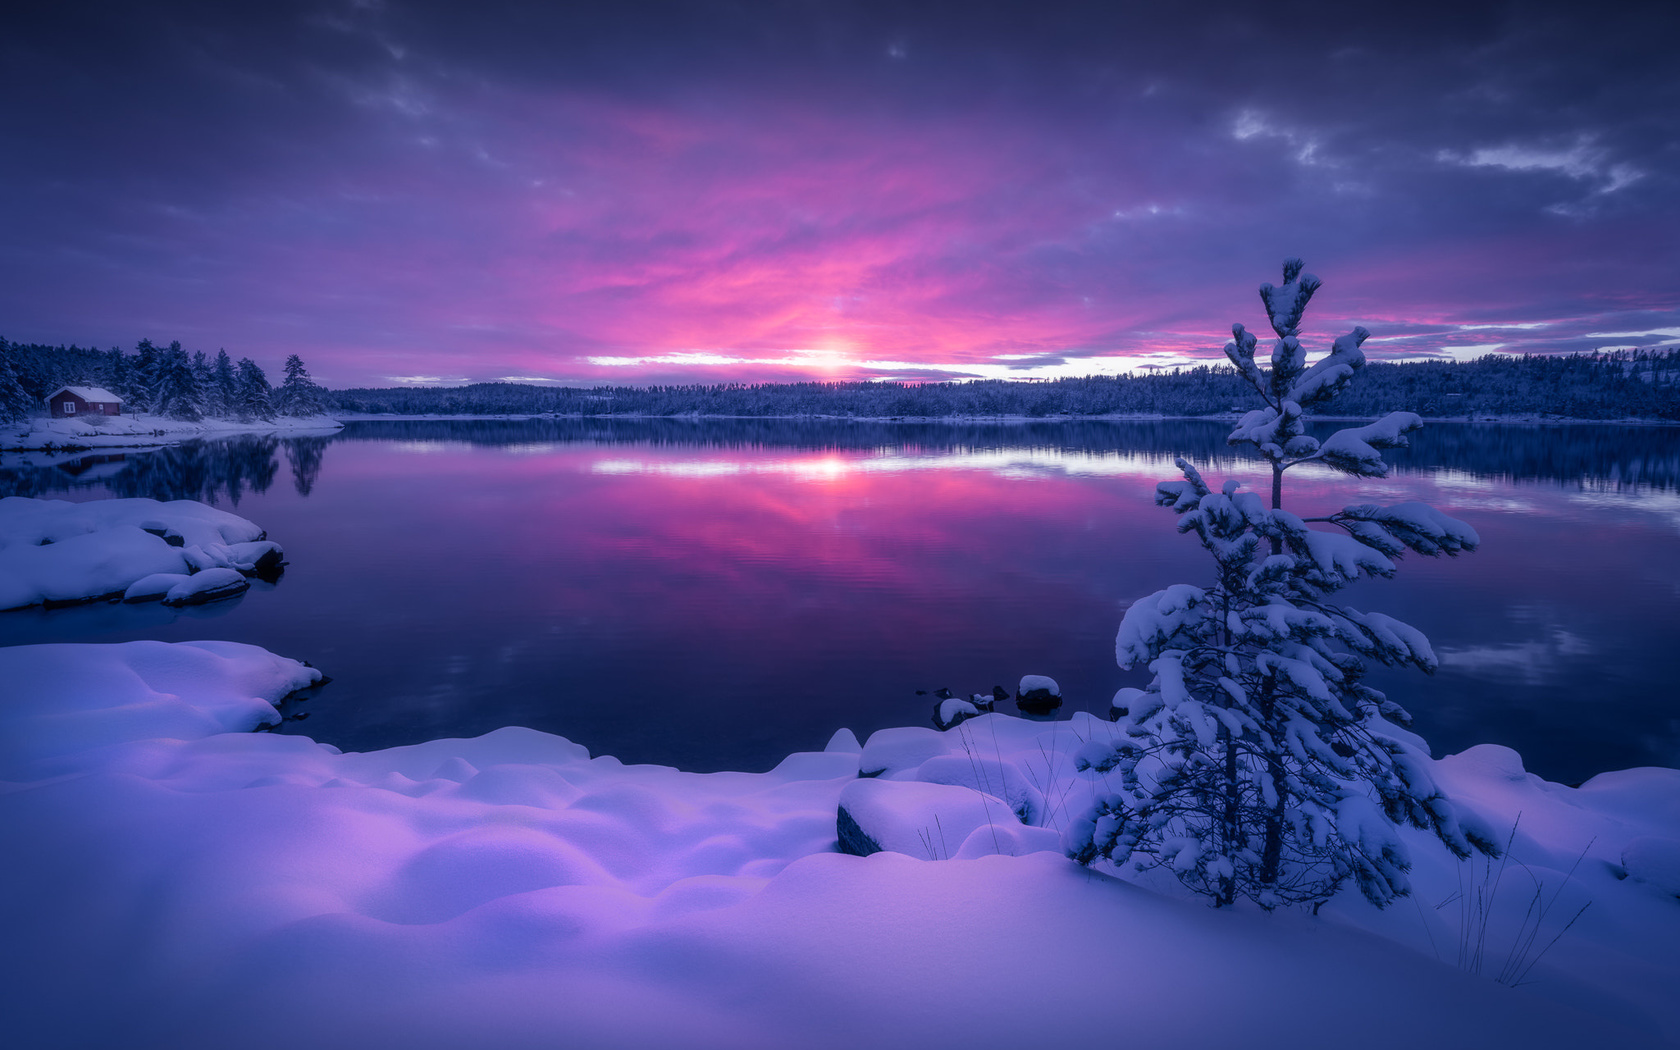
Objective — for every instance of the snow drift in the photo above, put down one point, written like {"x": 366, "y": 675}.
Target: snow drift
{"x": 172, "y": 880}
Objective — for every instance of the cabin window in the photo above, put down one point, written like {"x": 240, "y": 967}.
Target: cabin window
{"x": 69, "y": 408}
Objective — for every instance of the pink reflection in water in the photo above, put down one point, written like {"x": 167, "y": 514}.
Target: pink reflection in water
{"x": 719, "y": 606}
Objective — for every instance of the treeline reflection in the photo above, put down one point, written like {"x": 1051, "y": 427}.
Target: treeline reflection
{"x": 209, "y": 471}
{"x": 1634, "y": 456}
{"x": 1640, "y": 457}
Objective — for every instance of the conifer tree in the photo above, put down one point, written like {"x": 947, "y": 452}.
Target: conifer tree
{"x": 202, "y": 376}
{"x": 255, "y": 395}
{"x": 175, "y": 389}
{"x": 222, "y": 392}
{"x": 298, "y": 394}
{"x": 117, "y": 373}
{"x": 142, "y": 375}
{"x": 15, "y": 402}
{"x": 1257, "y": 763}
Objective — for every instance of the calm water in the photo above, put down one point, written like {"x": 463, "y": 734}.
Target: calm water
{"x": 715, "y": 595}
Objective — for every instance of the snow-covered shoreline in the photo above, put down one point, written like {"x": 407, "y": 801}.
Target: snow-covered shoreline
{"x": 143, "y": 430}
{"x": 178, "y": 881}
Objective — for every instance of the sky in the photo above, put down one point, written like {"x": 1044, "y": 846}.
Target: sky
{"x": 635, "y": 193}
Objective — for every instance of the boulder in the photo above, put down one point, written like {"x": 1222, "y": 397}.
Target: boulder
{"x": 925, "y": 821}
{"x": 208, "y": 586}
{"x": 1038, "y": 695}
{"x": 952, "y": 712}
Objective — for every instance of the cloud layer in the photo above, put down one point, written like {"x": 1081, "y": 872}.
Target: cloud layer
{"x": 701, "y": 191}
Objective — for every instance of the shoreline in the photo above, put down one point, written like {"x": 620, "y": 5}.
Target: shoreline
{"x": 466, "y": 870}
{"x": 144, "y": 430}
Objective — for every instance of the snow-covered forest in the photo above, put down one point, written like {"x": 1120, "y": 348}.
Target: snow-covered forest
{"x": 165, "y": 381}
{"x": 1620, "y": 384}
{"x": 1638, "y": 384}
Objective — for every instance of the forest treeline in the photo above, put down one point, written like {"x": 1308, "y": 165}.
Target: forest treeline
{"x": 1639, "y": 384}
{"x": 1622, "y": 384}
{"x": 163, "y": 380}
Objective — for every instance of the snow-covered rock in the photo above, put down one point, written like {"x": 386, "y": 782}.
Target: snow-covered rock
{"x": 923, "y": 820}
{"x": 1038, "y": 695}
{"x": 53, "y": 551}
{"x": 950, "y": 712}
{"x": 207, "y": 585}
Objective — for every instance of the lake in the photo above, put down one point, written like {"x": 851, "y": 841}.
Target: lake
{"x": 716, "y": 594}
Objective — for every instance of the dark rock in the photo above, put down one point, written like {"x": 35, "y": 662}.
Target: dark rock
{"x": 269, "y": 562}
{"x": 951, "y": 712}
{"x": 1038, "y": 701}
{"x": 853, "y": 839}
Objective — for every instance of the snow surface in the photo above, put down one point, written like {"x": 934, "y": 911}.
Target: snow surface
{"x": 56, "y": 551}
{"x": 142, "y": 429}
{"x": 170, "y": 880}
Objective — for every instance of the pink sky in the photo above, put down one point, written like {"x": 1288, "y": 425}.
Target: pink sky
{"x": 408, "y": 195}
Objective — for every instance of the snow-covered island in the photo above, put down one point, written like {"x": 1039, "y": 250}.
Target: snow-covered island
{"x": 175, "y": 880}
{"x": 181, "y": 552}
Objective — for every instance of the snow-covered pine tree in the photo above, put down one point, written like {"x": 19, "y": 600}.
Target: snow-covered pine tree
{"x": 298, "y": 394}
{"x": 117, "y": 373}
{"x": 1258, "y": 763}
{"x": 222, "y": 392}
{"x": 255, "y": 395}
{"x": 15, "y": 402}
{"x": 202, "y": 376}
{"x": 175, "y": 388}
{"x": 142, "y": 375}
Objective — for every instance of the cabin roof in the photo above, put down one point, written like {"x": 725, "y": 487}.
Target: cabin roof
{"x": 89, "y": 393}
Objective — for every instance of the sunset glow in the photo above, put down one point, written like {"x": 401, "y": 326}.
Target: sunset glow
{"x": 418, "y": 195}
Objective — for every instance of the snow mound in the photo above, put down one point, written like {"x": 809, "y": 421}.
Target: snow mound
{"x": 172, "y": 880}
{"x": 1655, "y": 862}
{"x": 918, "y": 819}
{"x": 53, "y": 551}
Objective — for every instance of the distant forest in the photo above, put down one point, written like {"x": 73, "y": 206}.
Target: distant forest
{"x": 1637, "y": 384}
{"x": 1622, "y": 384}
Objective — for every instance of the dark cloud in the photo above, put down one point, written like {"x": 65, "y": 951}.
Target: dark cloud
{"x": 534, "y": 184}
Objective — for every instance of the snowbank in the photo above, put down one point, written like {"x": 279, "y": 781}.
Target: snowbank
{"x": 143, "y": 429}
{"x": 172, "y": 881}
{"x": 182, "y": 552}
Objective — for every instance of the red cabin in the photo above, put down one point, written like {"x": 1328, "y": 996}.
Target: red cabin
{"x": 84, "y": 401}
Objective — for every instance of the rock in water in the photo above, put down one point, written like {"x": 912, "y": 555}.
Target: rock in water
{"x": 952, "y": 712}
{"x": 1038, "y": 695}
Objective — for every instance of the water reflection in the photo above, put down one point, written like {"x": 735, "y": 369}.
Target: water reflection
{"x": 715, "y": 595}
{"x": 209, "y": 471}
{"x": 1598, "y": 456}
